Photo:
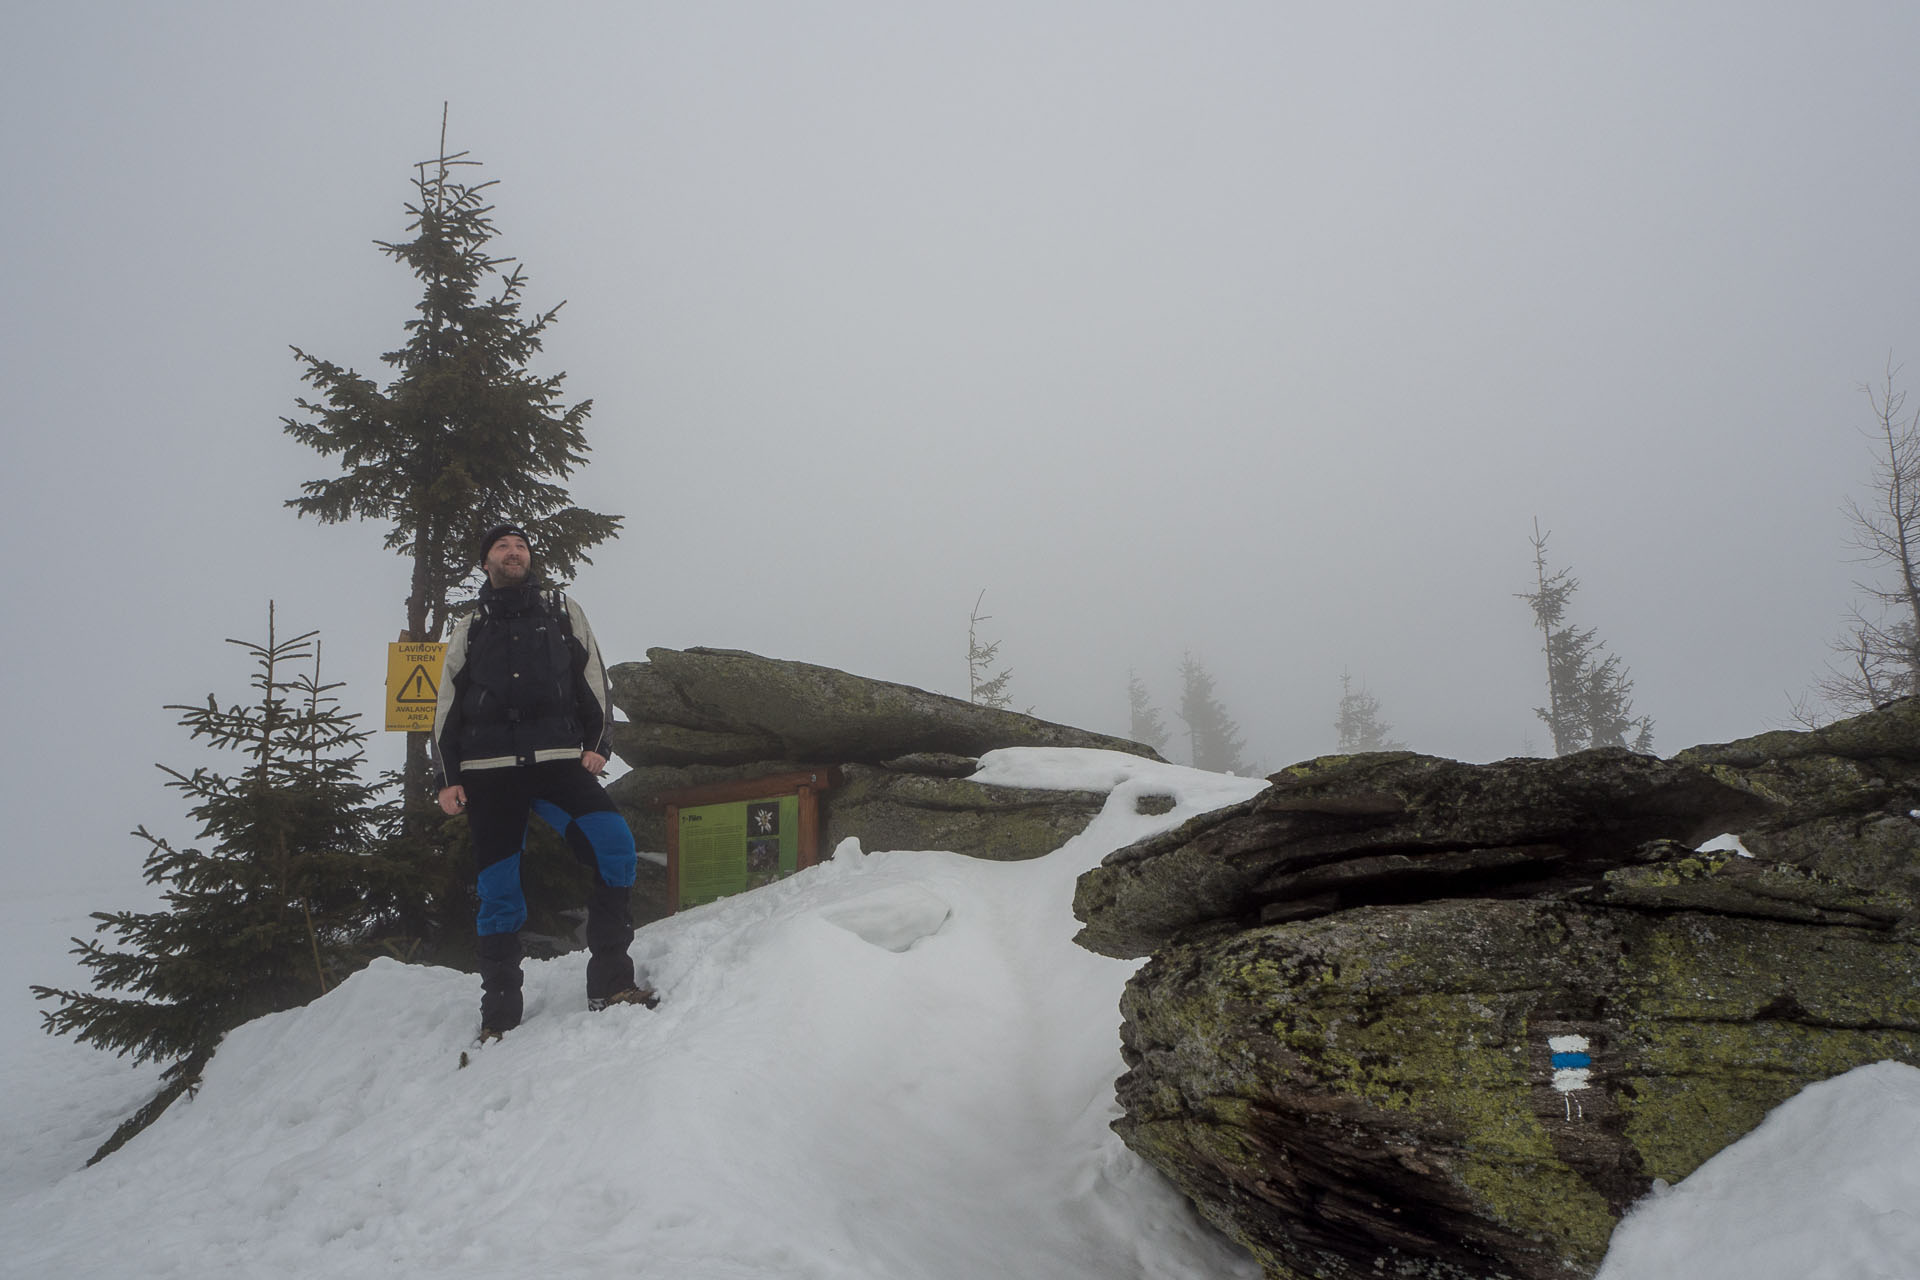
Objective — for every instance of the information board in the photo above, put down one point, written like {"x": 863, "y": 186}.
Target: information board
{"x": 729, "y": 848}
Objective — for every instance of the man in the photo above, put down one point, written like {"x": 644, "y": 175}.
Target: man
{"x": 523, "y": 723}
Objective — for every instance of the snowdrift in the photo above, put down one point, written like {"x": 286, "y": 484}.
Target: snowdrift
{"x": 891, "y": 1067}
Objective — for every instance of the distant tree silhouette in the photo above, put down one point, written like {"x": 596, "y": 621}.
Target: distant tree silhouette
{"x": 1212, "y": 736}
{"x": 1589, "y": 696}
{"x": 986, "y": 690}
{"x": 1359, "y": 725}
{"x": 1880, "y": 653}
{"x": 1144, "y": 724}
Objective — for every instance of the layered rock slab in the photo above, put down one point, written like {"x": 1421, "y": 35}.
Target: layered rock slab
{"x": 895, "y": 808}
{"x": 1415, "y": 1018}
{"x": 800, "y": 711}
{"x": 901, "y": 755}
{"x": 1840, "y": 798}
{"x": 1344, "y": 831}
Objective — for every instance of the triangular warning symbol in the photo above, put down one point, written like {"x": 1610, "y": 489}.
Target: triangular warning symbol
{"x": 417, "y": 687}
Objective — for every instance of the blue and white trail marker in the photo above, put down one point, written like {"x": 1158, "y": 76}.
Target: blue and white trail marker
{"x": 1572, "y": 1068}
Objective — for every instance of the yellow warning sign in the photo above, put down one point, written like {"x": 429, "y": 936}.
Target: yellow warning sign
{"x": 413, "y": 683}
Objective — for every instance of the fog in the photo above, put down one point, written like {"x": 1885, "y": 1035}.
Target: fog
{"x": 1259, "y": 331}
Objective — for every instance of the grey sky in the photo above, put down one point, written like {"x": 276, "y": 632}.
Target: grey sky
{"x": 1263, "y": 330}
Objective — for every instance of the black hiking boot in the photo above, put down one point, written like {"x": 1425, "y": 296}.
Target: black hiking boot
{"x": 643, "y": 996}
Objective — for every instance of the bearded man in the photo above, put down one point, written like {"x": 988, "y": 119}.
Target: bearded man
{"x": 522, "y": 725}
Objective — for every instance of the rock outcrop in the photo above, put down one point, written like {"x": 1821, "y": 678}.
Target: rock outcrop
{"x": 1841, "y": 798}
{"x": 897, "y": 807}
{"x": 724, "y": 702}
{"x": 1409, "y": 1017}
{"x": 902, "y": 755}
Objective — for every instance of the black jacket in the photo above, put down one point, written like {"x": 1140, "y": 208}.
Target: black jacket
{"x": 523, "y": 683}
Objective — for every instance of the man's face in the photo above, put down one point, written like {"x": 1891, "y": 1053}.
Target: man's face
{"x": 508, "y": 561}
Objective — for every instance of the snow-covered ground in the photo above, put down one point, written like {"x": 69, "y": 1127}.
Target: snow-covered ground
{"x": 894, "y": 1066}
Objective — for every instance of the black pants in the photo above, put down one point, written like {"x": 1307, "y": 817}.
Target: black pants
{"x": 568, "y": 799}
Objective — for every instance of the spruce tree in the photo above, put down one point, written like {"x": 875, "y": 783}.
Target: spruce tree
{"x": 1144, "y": 724}
{"x": 464, "y": 435}
{"x": 289, "y": 894}
{"x": 1589, "y": 696}
{"x": 1212, "y": 735}
{"x": 1359, "y": 725}
{"x": 983, "y": 689}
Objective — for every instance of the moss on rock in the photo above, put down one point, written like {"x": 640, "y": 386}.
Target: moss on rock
{"x": 1396, "y": 1062}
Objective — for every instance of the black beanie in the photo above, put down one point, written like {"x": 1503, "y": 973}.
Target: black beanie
{"x": 498, "y": 532}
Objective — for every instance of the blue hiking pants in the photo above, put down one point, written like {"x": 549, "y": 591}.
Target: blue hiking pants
{"x": 568, "y": 799}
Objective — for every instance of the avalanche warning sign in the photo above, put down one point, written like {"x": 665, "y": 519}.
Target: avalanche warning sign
{"x": 413, "y": 683}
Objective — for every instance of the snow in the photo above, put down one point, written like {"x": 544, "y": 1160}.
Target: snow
{"x": 894, "y": 1066}
{"x": 1726, "y": 842}
{"x": 1827, "y": 1188}
{"x": 58, "y": 1100}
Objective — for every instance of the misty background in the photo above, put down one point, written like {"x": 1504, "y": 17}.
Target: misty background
{"x": 1259, "y": 330}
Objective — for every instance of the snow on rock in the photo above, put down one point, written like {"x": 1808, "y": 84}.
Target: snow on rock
{"x": 1060, "y": 769}
{"x": 1827, "y": 1188}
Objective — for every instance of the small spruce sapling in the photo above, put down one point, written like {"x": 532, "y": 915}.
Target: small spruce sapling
{"x": 983, "y": 689}
{"x": 284, "y": 899}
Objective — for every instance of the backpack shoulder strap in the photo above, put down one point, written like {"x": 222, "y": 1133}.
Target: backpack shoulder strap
{"x": 556, "y": 607}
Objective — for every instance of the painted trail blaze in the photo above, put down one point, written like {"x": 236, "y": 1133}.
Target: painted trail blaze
{"x": 1572, "y": 1066}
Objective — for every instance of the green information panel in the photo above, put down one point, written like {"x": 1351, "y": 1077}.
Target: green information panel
{"x": 729, "y": 848}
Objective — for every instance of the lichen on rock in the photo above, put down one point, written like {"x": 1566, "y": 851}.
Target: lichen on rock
{"x": 1411, "y": 1017}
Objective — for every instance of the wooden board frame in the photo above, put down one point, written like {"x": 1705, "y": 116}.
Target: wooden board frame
{"x": 806, "y": 784}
